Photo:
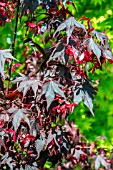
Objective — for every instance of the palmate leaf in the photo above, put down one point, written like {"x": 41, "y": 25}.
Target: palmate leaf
{"x": 69, "y": 25}
{"x": 26, "y": 84}
{"x": 19, "y": 115}
{"x": 49, "y": 89}
{"x": 4, "y": 54}
{"x": 92, "y": 46}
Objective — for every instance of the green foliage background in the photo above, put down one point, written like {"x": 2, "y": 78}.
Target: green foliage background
{"x": 101, "y": 14}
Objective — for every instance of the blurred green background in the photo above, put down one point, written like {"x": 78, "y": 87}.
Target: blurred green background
{"x": 101, "y": 14}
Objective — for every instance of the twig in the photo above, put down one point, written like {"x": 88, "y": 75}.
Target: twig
{"x": 13, "y": 47}
{"x": 15, "y": 31}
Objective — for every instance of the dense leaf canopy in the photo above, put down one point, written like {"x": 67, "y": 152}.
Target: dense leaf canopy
{"x": 56, "y": 84}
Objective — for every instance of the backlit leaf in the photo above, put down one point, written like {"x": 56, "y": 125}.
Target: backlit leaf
{"x": 100, "y": 160}
{"x": 26, "y": 84}
{"x": 92, "y": 46}
{"x": 107, "y": 54}
{"x": 4, "y": 54}
{"x": 49, "y": 89}
{"x": 39, "y": 143}
{"x": 78, "y": 153}
{"x": 18, "y": 116}
{"x": 69, "y": 25}
{"x": 101, "y": 37}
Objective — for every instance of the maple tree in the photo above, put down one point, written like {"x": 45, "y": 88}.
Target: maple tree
{"x": 35, "y": 131}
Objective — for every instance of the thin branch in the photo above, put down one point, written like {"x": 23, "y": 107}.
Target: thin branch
{"x": 13, "y": 47}
{"x": 15, "y": 31}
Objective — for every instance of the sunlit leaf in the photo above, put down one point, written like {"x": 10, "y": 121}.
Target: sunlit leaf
{"x": 19, "y": 115}
{"x": 4, "y": 54}
{"x": 39, "y": 143}
{"x": 100, "y": 36}
{"x": 49, "y": 89}
{"x": 25, "y": 84}
{"x": 107, "y": 54}
{"x": 78, "y": 153}
{"x": 69, "y": 25}
{"x": 100, "y": 160}
{"x": 92, "y": 46}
